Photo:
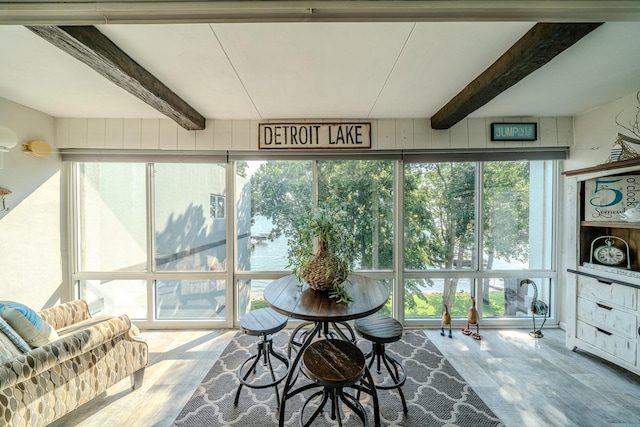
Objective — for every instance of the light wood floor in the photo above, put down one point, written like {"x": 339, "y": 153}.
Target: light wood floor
{"x": 526, "y": 382}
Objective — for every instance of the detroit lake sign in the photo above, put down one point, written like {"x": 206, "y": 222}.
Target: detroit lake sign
{"x": 286, "y": 136}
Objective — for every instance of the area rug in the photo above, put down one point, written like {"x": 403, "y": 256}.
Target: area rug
{"x": 435, "y": 392}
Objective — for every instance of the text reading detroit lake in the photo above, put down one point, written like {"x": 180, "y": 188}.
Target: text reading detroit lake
{"x": 316, "y": 135}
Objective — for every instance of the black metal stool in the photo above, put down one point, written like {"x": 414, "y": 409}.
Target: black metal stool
{"x": 381, "y": 330}
{"x": 330, "y": 330}
{"x": 262, "y": 322}
{"x": 335, "y": 364}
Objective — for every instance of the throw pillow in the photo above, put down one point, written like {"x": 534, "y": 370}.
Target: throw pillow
{"x": 14, "y": 336}
{"x": 35, "y": 331}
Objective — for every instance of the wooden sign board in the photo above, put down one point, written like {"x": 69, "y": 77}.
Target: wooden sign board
{"x": 514, "y": 131}
{"x": 606, "y": 198}
{"x": 287, "y": 136}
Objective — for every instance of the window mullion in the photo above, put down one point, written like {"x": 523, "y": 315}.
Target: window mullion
{"x": 74, "y": 226}
{"x": 479, "y": 229}
{"x": 231, "y": 213}
{"x": 398, "y": 224}
{"x": 151, "y": 265}
{"x": 479, "y": 223}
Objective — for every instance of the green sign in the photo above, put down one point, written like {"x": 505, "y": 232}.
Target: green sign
{"x": 514, "y": 131}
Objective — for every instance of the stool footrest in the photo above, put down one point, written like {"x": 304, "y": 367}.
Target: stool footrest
{"x": 243, "y": 375}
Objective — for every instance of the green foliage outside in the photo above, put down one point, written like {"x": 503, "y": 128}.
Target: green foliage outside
{"x": 258, "y": 303}
{"x": 431, "y": 306}
{"x": 439, "y": 208}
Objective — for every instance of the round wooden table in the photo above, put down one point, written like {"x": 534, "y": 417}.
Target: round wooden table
{"x": 294, "y": 298}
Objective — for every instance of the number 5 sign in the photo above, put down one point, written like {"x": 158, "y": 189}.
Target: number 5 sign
{"x": 607, "y": 198}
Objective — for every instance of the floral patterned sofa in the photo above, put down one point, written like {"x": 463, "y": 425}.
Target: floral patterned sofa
{"x": 89, "y": 355}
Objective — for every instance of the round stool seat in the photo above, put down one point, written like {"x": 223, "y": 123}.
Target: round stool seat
{"x": 379, "y": 328}
{"x": 333, "y": 362}
{"x": 264, "y": 321}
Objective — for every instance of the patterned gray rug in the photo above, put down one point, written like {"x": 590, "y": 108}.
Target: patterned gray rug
{"x": 436, "y": 394}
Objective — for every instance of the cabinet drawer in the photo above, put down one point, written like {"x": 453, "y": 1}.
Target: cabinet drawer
{"x": 621, "y": 295}
{"x": 620, "y": 347}
{"x": 610, "y": 318}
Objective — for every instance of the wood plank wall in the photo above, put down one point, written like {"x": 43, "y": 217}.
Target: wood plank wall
{"x": 242, "y": 135}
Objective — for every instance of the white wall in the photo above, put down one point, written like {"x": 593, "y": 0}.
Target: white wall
{"x": 242, "y": 135}
{"x": 595, "y": 132}
{"x": 30, "y": 233}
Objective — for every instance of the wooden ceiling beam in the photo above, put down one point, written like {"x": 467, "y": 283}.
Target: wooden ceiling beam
{"x": 93, "y": 48}
{"x": 536, "y": 48}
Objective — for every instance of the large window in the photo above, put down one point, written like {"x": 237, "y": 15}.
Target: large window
{"x": 276, "y": 191}
{"x": 178, "y": 243}
{"x": 186, "y": 269}
{"x": 112, "y": 229}
{"x": 189, "y": 239}
{"x": 364, "y": 189}
{"x": 476, "y": 229}
{"x": 280, "y": 190}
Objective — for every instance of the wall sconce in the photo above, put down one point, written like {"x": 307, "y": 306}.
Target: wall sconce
{"x": 37, "y": 148}
{"x": 4, "y": 192}
{"x": 8, "y": 140}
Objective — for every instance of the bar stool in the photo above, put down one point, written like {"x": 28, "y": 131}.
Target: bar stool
{"x": 381, "y": 330}
{"x": 330, "y": 330}
{"x": 262, "y": 322}
{"x": 335, "y": 364}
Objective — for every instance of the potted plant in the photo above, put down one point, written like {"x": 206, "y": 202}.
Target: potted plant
{"x": 321, "y": 250}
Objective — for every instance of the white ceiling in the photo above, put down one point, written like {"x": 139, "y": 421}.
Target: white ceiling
{"x": 320, "y": 70}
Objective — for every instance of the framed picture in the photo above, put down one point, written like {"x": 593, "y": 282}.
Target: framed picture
{"x": 607, "y": 198}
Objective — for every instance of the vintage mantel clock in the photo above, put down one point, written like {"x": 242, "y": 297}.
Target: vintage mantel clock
{"x": 604, "y": 252}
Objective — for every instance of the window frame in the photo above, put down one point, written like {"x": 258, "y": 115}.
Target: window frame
{"x": 397, "y": 275}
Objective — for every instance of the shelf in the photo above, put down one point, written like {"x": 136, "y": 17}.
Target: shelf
{"x": 604, "y": 167}
{"x": 603, "y": 284}
{"x": 610, "y": 224}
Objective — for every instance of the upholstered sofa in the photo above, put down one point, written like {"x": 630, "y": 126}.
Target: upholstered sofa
{"x": 89, "y": 355}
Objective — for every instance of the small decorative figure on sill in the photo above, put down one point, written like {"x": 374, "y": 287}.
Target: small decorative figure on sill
{"x": 473, "y": 320}
{"x": 446, "y": 321}
{"x": 537, "y": 307}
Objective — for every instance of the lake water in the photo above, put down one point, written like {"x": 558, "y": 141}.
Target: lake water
{"x": 268, "y": 255}
{"x": 272, "y": 256}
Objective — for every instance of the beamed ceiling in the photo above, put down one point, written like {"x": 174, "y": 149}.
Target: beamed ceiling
{"x": 263, "y": 60}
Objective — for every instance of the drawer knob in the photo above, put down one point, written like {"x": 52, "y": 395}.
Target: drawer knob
{"x": 603, "y": 331}
{"x": 604, "y": 306}
{"x": 604, "y": 282}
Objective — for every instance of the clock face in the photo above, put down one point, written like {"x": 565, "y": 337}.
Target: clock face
{"x": 609, "y": 255}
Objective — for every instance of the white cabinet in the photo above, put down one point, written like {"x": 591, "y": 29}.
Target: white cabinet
{"x": 607, "y": 320}
{"x": 603, "y": 309}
